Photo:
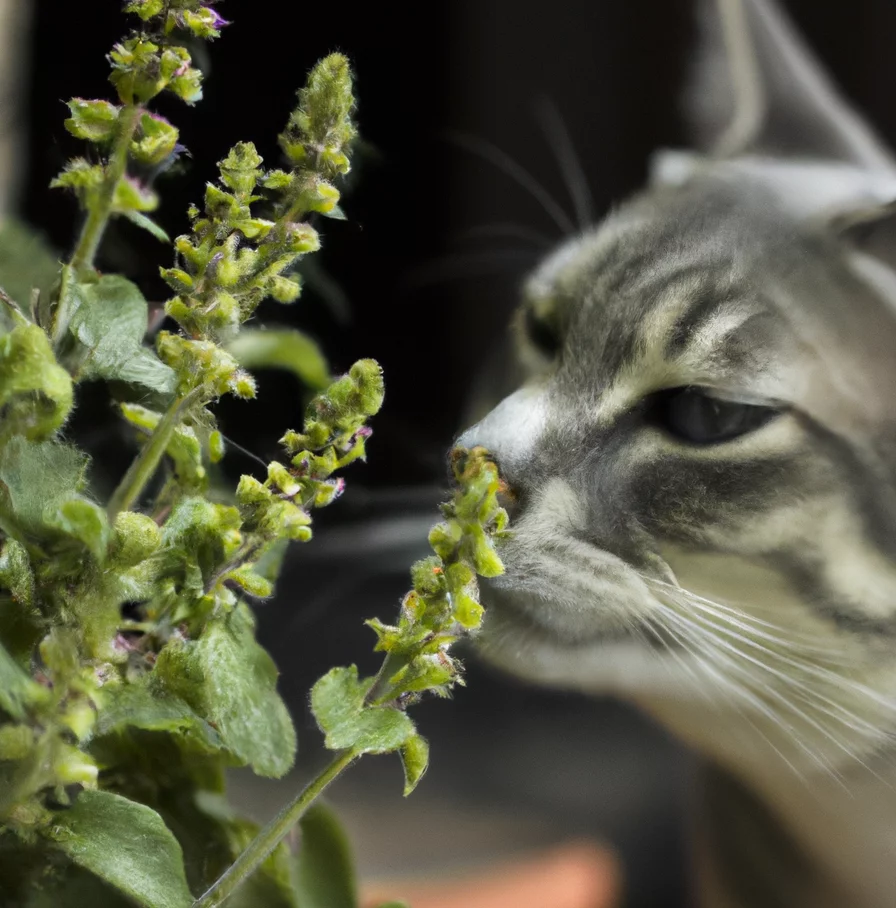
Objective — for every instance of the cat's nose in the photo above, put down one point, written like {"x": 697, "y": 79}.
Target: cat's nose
{"x": 510, "y": 433}
{"x": 512, "y": 429}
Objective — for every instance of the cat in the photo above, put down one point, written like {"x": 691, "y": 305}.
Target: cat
{"x": 701, "y": 471}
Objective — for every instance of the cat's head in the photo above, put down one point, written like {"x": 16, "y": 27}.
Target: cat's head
{"x": 702, "y": 461}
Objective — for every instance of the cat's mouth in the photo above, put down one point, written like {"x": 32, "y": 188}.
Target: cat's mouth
{"x": 539, "y": 618}
{"x": 564, "y": 604}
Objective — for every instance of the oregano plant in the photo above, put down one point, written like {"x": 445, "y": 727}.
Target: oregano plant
{"x": 130, "y": 675}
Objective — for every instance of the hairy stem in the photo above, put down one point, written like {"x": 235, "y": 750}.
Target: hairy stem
{"x": 272, "y": 834}
{"x": 99, "y": 214}
{"x": 144, "y": 466}
{"x": 393, "y": 663}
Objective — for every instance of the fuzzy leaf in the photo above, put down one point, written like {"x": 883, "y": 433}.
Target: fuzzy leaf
{"x": 36, "y": 479}
{"x": 74, "y": 888}
{"x": 110, "y": 323}
{"x": 139, "y": 705}
{"x": 95, "y": 121}
{"x": 335, "y": 213}
{"x": 127, "y": 845}
{"x": 131, "y": 195}
{"x": 229, "y": 680}
{"x": 415, "y": 759}
{"x": 282, "y": 348}
{"x": 17, "y": 689}
{"x": 337, "y": 701}
{"x": 26, "y": 261}
{"x": 85, "y": 521}
{"x": 157, "y": 140}
{"x": 325, "y": 877}
{"x": 16, "y": 574}
{"x": 147, "y": 224}
{"x": 35, "y": 391}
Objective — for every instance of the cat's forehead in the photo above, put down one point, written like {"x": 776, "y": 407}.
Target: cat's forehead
{"x": 666, "y": 292}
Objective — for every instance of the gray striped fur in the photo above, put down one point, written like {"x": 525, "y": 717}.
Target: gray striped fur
{"x": 744, "y": 593}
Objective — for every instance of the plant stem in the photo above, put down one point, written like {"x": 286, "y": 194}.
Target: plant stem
{"x": 390, "y": 665}
{"x": 61, "y": 315}
{"x": 99, "y": 214}
{"x": 272, "y": 834}
{"x": 144, "y": 465}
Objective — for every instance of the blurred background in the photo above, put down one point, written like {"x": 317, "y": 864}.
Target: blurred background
{"x": 471, "y": 112}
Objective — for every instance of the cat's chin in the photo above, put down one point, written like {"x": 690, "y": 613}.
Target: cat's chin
{"x": 568, "y": 619}
{"x": 569, "y": 643}
{"x": 614, "y": 660}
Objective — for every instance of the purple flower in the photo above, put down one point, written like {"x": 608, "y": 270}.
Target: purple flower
{"x": 218, "y": 21}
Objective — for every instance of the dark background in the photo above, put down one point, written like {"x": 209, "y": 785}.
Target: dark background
{"x": 427, "y": 267}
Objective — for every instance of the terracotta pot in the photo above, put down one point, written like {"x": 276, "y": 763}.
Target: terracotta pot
{"x": 576, "y": 875}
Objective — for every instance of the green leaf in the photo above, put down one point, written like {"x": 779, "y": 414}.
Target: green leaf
{"x": 73, "y": 887}
{"x": 16, "y": 574}
{"x": 415, "y": 759}
{"x": 110, "y": 323}
{"x": 35, "y": 391}
{"x": 148, "y": 224}
{"x": 132, "y": 195}
{"x": 36, "y": 479}
{"x": 282, "y": 348}
{"x": 95, "y": 121}
{"x": 325, "y": 876}
{"x": 141, "y": 705}
{"x": 17, "y": 689}
{"x": 85, "y": 521}
{"x": 20, "y": 620}
{"x": 429, "y": 672}
{"x": 467, "y": 611}
{"x": 229, "y": 680}
{"x": 26, "y": 261}
{"x": 337, "y": 701}
{"x": 126, "y": 844}
{"x": 335, "y": 213}
{"x": 157, "y": 140}
{"x": 82, "y": 177}
{"x": 251, "y": 582}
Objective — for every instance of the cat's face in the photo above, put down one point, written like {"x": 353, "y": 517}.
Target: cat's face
{"x": 701, "y": 467}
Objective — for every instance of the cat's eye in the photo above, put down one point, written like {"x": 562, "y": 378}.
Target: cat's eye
{"x": 541, "y": 333}
{"x": 694, "y": 415}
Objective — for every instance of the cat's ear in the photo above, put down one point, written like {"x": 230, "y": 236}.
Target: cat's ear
{"x": 757, "y": 89}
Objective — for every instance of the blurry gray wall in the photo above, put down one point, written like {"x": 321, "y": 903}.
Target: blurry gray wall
{"x": 15, "y": 21}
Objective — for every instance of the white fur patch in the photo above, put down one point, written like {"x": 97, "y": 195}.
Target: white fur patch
{"x": 512, "y": 430}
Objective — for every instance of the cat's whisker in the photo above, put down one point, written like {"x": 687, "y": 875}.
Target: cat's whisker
{"x": 464, "y": 265}
{"x": 558, "y": 138}
{"x": 723, "y": 681}
{"x": 774, "y": 705}
{"x": 785, "y": 640}
{"x": 507, "y": 230}
{"x": 507, "y": 165}
{"x": 791, "y": 667}
{"x": 790, "y": 654}
{"x": 791, "y": 637}
{"x": 807, "y": 695}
